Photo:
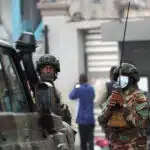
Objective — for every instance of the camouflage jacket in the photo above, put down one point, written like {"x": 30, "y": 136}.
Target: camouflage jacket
{"x": 137, "y": 103}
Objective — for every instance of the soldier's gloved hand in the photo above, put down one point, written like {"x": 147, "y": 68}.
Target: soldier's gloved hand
{"x": 116, "y": 97}
{"x": 111, "y": 104}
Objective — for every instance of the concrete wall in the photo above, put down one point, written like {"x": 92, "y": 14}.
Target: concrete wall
{"x": 6, "y": 17}
{"x": 137, "y": 30}
{"x": 94, "y": 8}
{"x": 5, "y": 12}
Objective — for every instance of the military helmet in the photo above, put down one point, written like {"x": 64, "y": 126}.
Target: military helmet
{"x": 127, "y": 69}
{"x": 48, "y": 60}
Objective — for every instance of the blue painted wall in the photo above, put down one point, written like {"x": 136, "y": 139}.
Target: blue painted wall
{"x": 19, "y": 25}
{"x": 38, "y": 31}
{"x": 16, "y": 20}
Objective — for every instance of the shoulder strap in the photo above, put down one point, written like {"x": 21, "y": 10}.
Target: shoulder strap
{"x": 109, "y": 86}
{"x": 56, "y": 94}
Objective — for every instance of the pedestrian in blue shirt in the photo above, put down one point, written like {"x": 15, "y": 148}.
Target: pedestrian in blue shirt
{"x": 84, "y": 93}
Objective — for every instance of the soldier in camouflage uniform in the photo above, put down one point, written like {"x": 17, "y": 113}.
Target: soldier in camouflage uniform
{"x": 48, "y": 67}
{"x": 126, "y": 112}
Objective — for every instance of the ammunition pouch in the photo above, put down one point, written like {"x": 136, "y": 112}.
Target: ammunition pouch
{"x": 65, "y": 113}
{"x": 117, "y": 120}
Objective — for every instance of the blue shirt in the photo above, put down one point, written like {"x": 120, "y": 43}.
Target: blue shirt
{"x": 85, "y": 94}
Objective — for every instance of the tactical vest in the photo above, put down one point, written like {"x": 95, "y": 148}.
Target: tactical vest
{"x": 52, "y": 103}
{"x": 54, "y": 100}
{"x": 46, "y": 97}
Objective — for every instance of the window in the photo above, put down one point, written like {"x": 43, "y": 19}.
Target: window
{"x": 12, "y": 96}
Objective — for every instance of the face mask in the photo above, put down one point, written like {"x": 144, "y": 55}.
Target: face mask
{"x": 49, "y": 76}
{"x": 123, "y": 81}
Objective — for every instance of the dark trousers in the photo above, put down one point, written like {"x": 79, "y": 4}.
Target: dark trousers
{"x": 86, "y": 136}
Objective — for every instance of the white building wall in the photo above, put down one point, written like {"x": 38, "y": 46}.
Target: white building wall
{"x": 66, "y": 41}
{"x": 6, "y": 15}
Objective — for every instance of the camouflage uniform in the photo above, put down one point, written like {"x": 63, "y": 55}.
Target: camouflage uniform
{"x": 56, "y": 106}
{"x": 130, "y": 136}
{"x": 53, "y": 62}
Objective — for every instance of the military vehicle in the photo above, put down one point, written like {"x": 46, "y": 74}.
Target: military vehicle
{"x": 24, "y": 123}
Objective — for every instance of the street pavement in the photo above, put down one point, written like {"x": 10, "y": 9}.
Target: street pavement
{"x": 77, "y": 142}
{"x": 98, "y": 131}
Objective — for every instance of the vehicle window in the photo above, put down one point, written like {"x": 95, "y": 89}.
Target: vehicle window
{"x": 12, "y": 96}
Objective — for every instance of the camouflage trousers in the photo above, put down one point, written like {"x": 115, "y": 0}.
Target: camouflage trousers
{"x": 128, "y": 146}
